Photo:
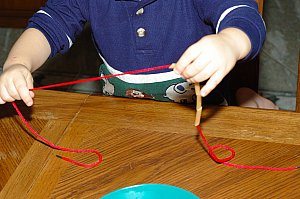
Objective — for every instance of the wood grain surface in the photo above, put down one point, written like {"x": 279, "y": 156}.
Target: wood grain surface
{"x": 144, "y": 141}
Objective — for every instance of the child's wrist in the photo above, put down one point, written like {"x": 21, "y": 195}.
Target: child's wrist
{"x": 9, "y": 66}
{"x": 238, "y": 41}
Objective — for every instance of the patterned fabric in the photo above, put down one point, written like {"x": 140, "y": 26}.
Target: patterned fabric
{"x": 175, "y": 90}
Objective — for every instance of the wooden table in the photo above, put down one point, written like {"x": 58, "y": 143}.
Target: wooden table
{"x": 145, "y": 141}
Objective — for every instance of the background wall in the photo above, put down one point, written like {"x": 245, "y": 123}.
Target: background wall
{"x": 279, "y": 57}
{"x": 278, "y": 61}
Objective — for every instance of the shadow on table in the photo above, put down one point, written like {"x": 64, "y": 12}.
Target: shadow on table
{"x": 7, "y": 110}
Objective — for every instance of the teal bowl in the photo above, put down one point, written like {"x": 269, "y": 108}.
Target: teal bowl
{"x": 150, "y": 191}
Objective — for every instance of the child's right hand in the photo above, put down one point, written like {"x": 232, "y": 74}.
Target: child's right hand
{"x": 15, "y": 82}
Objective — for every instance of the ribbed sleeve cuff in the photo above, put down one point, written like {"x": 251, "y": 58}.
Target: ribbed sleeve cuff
{"x": 253, "y": 26}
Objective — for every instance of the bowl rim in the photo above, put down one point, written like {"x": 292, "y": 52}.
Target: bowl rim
{"x": 149, "y": 185}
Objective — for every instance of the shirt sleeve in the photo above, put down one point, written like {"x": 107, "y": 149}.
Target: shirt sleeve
{"x": 241, "y": 14}
{"x": 60, "y": 22}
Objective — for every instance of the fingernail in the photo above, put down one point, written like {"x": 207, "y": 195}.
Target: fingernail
{"x": 203, "y": 93}
{"x": 31, "y": 94}
{"x": 29, "y": 103}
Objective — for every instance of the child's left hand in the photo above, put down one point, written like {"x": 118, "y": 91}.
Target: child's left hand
{"x": 213, "y": 57}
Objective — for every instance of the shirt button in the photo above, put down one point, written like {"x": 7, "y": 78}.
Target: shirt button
{"x": 141, "y": 32}
{"x": 140, "y": 11}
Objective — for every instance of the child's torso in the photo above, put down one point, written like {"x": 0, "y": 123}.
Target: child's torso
{"x": 141, "y": 34}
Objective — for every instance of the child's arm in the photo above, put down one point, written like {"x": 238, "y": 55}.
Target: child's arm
{"x": 213, "y": 57}
{"x": 240, "y": 33}
{"x": 29, "y": 52}
{"x": 51, "y": 30}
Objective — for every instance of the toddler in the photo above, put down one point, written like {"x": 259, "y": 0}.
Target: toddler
{"x": 205, "y": 38}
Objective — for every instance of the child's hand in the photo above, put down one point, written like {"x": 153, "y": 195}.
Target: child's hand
{"x": 15, "y": 82}
{"x": 212, "y": 58}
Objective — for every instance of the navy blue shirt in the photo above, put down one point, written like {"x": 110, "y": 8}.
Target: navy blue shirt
{"x": 134, "y": 34}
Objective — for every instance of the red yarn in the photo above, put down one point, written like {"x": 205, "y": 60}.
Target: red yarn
{"x": 70, "y": 83}
{"x": 210, "y": 149}
{"x": 102, "y": 77}
{"x": 58, "y": 147}
{"x": 225, "y": 160}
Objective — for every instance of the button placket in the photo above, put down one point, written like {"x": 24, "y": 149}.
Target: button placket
{"x": 142, "y": 42}
{"x": 141, "y": 32}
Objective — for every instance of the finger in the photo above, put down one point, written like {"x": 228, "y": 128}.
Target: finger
{"x": 187, "y": 58}
{"x": 30, "y": 86}
{"x": 205, "y": 74}
{"x": 2, "y": 101}
{"x": 212, "y": 83}
{"x": 196, "y": 67}
{"x": 31, "y": 94}
{"x": 12, "y": 91}
{"x": 29, "y": 81}
{"x": 5, "y": 96}
{"x": 25, "y": 95}
{"x": 24, "y": 92}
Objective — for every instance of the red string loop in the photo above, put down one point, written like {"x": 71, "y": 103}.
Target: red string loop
{"x": 39, "y": 137}
{"x": 225, "y": 161}
{"x": 219, "y": 146}
{"x": 212, "y": 148}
